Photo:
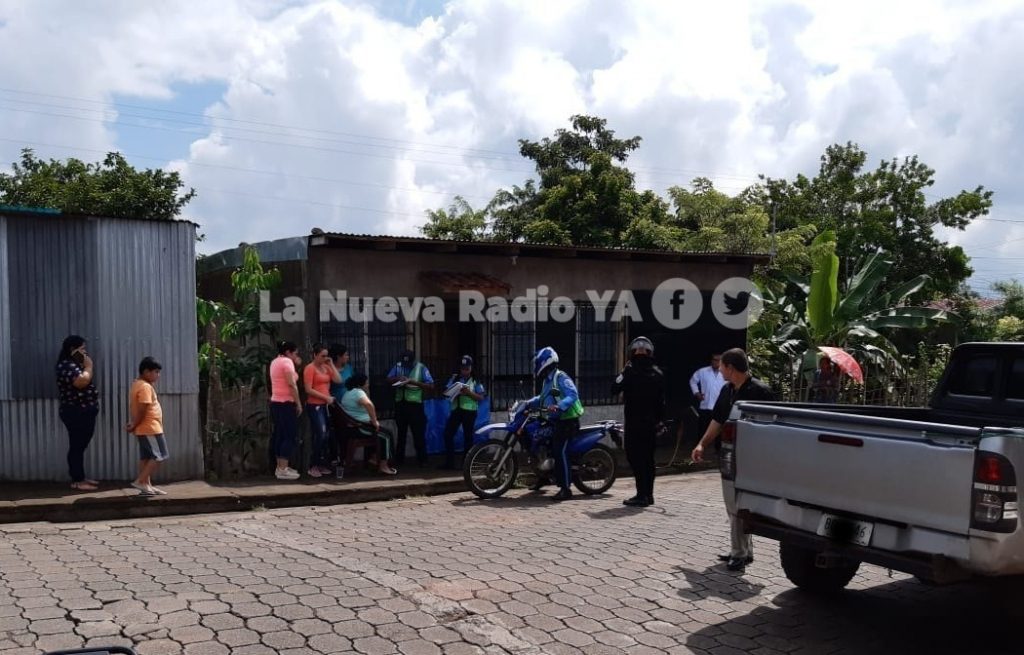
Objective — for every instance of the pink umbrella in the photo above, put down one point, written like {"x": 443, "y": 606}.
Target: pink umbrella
{"x": 845, "y": 361}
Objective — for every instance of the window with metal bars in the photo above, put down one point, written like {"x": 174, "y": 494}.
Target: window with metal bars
{"x": 591, "y": 348}
{"x": 598, "y": 353}
{"x": 512, "y": 346}
{"x": 374, "y": 346}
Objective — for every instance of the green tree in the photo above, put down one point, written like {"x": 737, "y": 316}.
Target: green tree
{"x": 460, "y": 222}
{"x": 1012, "y": 293}
{"x": 1009, "y": 316}
{"x": 584, "y": 196}
{"x": 1009, "y": 328}
{"x": 111, "y": 188}
{"x": 511, "y": 211}
{"x": 711, "y": 221}
{"x": 882, "y": 209}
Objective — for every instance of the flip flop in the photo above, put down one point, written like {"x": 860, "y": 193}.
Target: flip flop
{"x": 83, "y": 486}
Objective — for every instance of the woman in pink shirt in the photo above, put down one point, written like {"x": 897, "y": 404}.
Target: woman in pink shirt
{"x": 285, "y": 406}
{"x": 317, "y": 378}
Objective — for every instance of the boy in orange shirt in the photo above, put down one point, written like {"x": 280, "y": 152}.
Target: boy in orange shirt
{"x": 147, "y": 425}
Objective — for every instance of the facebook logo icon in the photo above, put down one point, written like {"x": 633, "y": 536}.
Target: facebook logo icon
{"x": 677, "y": 303}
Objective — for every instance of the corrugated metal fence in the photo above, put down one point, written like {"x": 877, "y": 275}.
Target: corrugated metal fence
{"x": 5, "y": 318}
{"x": 128, "y": 287}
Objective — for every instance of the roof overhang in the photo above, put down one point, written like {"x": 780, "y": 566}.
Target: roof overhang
{"x": 493, "y": 248}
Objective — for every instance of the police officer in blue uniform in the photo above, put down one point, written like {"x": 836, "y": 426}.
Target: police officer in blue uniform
{"x": 465, "y": 405}
{"x": 560, "y": 401}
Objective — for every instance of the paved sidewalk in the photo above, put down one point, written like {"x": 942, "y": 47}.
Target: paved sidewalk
{"x": 32, "y": 501}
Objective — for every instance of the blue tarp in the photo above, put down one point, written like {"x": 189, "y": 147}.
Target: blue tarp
{"x": 437, "y": 411}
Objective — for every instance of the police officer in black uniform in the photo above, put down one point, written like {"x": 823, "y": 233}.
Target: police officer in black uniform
{"x": 642, "y": 385}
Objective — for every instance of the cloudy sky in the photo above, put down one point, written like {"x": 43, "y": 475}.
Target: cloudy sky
{"x": 358, "y": 116}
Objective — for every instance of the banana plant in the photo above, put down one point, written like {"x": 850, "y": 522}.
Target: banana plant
{"x": 816, "y": 313}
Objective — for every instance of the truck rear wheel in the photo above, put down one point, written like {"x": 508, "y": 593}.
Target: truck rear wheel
{"x": 800, "y": 565}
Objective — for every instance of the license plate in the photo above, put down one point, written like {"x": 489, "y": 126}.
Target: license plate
{"x": 846, "y": 530}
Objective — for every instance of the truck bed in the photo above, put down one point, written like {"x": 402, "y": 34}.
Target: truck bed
{"x": 885, "y": 464}
{"x": 946, "y": 417}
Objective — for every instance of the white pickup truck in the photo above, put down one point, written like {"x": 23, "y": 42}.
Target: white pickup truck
{"x": 930, "y": 491}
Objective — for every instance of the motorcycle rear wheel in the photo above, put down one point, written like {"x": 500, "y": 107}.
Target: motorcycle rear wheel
{"x": 480, "y": 472}
{"x": 595, "y": 472}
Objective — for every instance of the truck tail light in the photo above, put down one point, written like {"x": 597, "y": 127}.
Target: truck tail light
{"x": 727, "y": 456}
{"x": 994, "y": 506}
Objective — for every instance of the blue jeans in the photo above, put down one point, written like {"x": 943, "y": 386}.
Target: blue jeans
{"x": 320, "y": 433}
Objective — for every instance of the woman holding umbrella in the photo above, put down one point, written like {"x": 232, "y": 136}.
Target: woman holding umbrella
{"x": 834, "y": 362}
{"x": 825, "y": 386}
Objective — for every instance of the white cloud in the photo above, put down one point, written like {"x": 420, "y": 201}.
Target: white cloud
{"x": 407, "y": 115}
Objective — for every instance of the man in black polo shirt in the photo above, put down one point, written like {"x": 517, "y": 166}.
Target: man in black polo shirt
{"x": 740, "y": 385}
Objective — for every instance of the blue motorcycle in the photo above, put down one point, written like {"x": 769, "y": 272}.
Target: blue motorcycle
{"x": 491, "y": 466}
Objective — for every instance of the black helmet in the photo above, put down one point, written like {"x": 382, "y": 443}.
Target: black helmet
{"x": 641, "y": 343}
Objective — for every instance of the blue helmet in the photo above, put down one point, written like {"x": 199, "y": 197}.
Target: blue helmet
{"x": 545, "y": 359}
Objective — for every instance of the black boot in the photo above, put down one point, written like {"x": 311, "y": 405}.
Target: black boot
{"x": 636, "y": 501}
{"x": 538, "y": 485}
{"x": 563, "y": 494}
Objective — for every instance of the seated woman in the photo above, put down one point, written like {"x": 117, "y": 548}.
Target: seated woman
{"x": 357, "y": 404}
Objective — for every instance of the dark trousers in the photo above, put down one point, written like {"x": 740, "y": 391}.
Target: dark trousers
{"x": 565, "y": 430}
{"x": 410, "y": 416}
{"x": 286, "y": 429}
{"x": 703, "y": 422}
{"x": 640, "y": 455}
{"x": 459, "y": 417}
{"x": 81, "y": 424}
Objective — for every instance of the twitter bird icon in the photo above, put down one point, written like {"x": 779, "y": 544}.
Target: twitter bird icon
{"x": 735, "y": 305}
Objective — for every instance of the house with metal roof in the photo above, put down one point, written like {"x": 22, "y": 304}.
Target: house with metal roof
{"x": 340, "y": 277}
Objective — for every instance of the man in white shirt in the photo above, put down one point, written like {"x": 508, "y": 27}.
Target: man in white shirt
{"x": 706, "y": 383}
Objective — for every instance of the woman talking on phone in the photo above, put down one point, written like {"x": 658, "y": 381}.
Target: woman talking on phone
{"x": 79, "y": 405}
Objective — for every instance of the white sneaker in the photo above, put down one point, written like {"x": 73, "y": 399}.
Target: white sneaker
{"x": 286, "y": 474}
{"x": 143, "y": 489}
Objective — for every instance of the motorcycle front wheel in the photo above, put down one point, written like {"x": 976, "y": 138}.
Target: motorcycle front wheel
{"x": 481, "y": 469}
{"x": 595, "y": 472}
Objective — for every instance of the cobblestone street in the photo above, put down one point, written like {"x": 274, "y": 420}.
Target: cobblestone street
{"x": 458, "y": 576}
